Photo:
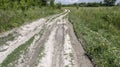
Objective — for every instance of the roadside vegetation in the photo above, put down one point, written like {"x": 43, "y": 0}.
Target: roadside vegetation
{"x": 9, "y": 37}
{"x": 16, "y": 54}
{"x": 100, "y": 28}
{"x": 96, "y": 23}
{"x": 16, "y": 13}
{"x": 13, "y": 58}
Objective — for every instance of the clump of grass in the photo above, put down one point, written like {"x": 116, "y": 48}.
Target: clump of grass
{"x": 100, "y": 29}
{"x": 16, "y": 53}
{"x": 41, "y": 54}
{"x": 9, "y": 37}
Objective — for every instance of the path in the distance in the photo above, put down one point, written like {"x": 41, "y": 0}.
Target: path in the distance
{"x": 54, "y": 44}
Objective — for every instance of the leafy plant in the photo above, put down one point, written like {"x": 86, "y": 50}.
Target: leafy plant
{"x": 97, "y": 27}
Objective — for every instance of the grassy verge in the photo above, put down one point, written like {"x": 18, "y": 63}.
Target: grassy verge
{"x": 16, "y": 53}
{"x": 100, "y": 28}
{"x": 10, "y": 19}
{"x": 41, "y": 55}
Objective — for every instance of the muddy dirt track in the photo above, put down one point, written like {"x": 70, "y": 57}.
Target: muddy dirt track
{"x": 54, "y": 44}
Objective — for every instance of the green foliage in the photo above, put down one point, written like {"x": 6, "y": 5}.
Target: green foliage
{"x": 93, "y": 4}
{"x": 14, "y": 13}
{"x": 112, "y": 18}
{"x": 16, "y": 53}
{"x": 52, "y": 3}
{"x": 59, "y": 5}
{"x": 97, "y": 27}
{"x": 21, "y": 4}
{"x": 77, "y": 6}
{"x": 109, "y": 2}
{"x": 10, "y": 19}
{"x": 44, "y": 2}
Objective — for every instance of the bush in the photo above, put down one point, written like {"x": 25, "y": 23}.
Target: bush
{"x": 97, "y": 27}
{"x": 10, "y": 19}
{"x": 59, "y": 5}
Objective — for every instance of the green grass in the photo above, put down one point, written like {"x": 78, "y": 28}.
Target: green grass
{"x": 100, "y": 28}
{"x": 16, "y": 53}
{"x": 10, "y": 19}
{"x": 6, "y": 38}
{"x": 9, "y": 37}
{"x": 41, "y": 55}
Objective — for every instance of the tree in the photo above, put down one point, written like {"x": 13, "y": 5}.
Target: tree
{"x": 94, "y": 4}
{"x": 59, "y": 5}
{"x": 21, "y": 4}
{"x": 109, "y": 2}
{"x": 83, "y": 4}
{"x": 76, "y": 5}
{"x": 43, "y": 2}
{"x": 52, "y": 3}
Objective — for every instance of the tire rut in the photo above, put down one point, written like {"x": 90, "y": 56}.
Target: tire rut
{"x": 61, "y": 47}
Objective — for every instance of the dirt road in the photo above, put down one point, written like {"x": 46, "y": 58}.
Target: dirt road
{"x": 54, "y": 44}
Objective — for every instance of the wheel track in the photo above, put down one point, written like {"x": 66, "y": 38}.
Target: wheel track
{"x": 54, "y": 32}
